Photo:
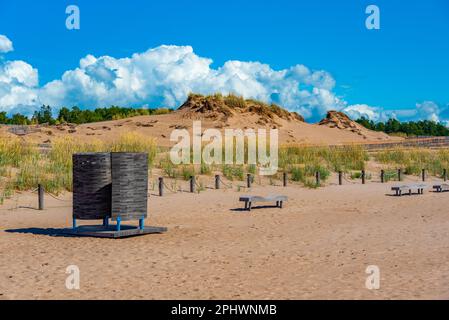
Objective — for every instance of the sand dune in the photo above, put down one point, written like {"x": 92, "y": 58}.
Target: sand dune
{"x": 335, "y": 129}
{"x": 160, "y": 126}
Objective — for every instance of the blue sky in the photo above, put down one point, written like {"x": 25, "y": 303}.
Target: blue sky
{"x": 396, "y": 70}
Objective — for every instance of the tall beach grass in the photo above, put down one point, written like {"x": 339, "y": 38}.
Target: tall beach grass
{"x": 23, "y": 166}
{"x": 414, "y": 160}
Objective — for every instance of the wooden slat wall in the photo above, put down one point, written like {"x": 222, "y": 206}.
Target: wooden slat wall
{"x": 91, "y": 186}
{"x": 129, "y": 185}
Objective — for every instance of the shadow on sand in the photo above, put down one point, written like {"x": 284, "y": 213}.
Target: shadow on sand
{"x": 41, "y": 231}
{"x": 254, "y": 208}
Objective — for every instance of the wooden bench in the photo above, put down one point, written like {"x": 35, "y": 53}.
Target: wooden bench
{"x": 408, "y": 189}
{"x": 441, "y": 187}
{"x": 249, "y": 200}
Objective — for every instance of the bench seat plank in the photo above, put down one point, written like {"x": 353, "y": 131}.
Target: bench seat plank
{"x": 441, "y": 187}
{"x": 249, "y": 200}
{"x": 409, "y": 188}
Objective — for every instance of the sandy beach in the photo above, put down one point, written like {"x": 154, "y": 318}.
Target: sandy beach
{"x": 222, "y": 152}
{"x": 317, "y": 247}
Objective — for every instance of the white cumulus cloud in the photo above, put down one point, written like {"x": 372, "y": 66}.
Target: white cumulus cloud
{"x": 375, "y": 114}
{"x": 362, "y": 110}
{"x": 18, "y": 87}
{"x": 18, "y": 83}
{"x": 428, "y": 110}
{"x": 5, "y": 44}
{"x": 165, "y": 75}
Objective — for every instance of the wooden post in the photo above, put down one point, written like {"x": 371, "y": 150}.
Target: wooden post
{"x": 217, "y": 181}
{"x": 340, "y": 178}
{"x": 40, "y": 193}
{"x": 318, "y": 178}
{"x": 284, "y": 178}
{"x": 248, "y": 180}
{"x": 363, "y": 176}
{"x": 399, "y": 175}
{"x": 382, "y": 176}
{"x": 192, "y": 184}
{"x": 423, "y": 175}
{"x": 445, "y": 175}
{"x": 161, "y": 186}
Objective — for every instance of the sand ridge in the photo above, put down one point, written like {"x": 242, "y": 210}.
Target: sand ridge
{"x": 336, "y": 129}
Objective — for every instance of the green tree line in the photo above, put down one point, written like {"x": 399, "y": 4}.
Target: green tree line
{"x": 75, "y": 115}
{"x": 410, "y": 128}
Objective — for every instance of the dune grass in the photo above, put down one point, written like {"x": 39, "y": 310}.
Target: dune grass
{"x": 302, "y": 162}
{"x": 23, "y": 166}
{"x": 343, "y": 158}
{"x": 416, "y": 159}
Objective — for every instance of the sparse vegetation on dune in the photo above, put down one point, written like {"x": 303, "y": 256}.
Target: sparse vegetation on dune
{"x": 218, "y": 106}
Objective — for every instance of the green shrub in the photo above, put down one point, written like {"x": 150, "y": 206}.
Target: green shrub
{"x": 187, "y": 171}
{"x": 233, "y": 172}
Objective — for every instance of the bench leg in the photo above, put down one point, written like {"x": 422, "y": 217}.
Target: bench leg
{"x": 280, "y": 204}
{"x": 410, "y": 192}
{"x": 400, "y": 192}
{"x": 249, "y": 206}
{"x": 246, "y": 205}
{"x": 277, "y": 204}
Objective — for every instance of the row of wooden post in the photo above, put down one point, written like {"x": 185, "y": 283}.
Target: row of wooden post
{"x": 192, "y": 183}
{"x": 249, "y": 180}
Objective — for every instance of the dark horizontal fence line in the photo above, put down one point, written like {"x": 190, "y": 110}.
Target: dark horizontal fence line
{"x": 421, "y": 142}
{"x": 364, "y": 178}
{"x": 424, "y": 142}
